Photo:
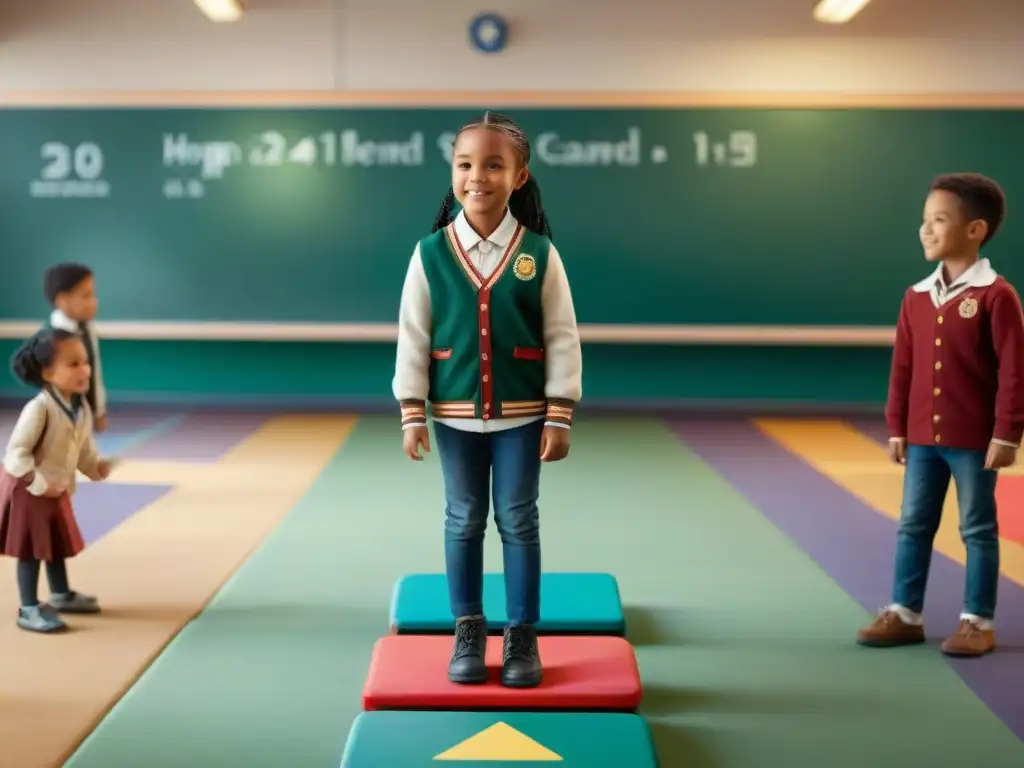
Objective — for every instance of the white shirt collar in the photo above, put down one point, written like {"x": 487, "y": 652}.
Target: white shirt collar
{"x": 59, "y": 320}
{"x": 980, "y": 275}
{"x": 501, "y": 237}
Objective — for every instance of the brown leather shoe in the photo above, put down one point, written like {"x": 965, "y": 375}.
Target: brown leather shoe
{"x": 969, "y": 640}
{"x": 889, "y": 630}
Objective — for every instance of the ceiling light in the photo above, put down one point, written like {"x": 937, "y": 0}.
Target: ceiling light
{"x": 837, "y": 11}
{"x": 220, "y": 10}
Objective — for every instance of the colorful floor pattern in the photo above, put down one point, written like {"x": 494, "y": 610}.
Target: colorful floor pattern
{"x": 245, "y": 564}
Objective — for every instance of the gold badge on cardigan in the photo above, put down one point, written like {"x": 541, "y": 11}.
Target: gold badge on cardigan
{"x": 525, "y": 267}
{"x": 968, "y": 307}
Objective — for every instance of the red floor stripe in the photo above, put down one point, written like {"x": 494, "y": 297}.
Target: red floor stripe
{"x": 1010, "y": 501}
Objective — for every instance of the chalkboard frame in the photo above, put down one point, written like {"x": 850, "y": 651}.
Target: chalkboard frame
{"x": 593, "y": 333}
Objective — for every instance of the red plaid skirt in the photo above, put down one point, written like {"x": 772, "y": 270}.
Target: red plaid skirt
{"x": 36, "y": 527}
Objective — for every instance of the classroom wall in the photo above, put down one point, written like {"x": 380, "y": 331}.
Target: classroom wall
{"x": 642, "y": 45}
{"x": 118, "y": 46}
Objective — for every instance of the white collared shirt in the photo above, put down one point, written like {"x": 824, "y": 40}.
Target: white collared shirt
{"x": 562, "y": 353}
{"x": 59, "y": 320}
{"x": 979, "y": 275}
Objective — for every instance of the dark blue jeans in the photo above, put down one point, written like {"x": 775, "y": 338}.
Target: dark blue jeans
{"x": 469, "y": 460}
{"x": 925, "y": 484}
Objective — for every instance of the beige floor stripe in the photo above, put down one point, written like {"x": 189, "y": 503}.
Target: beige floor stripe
{"x": 153, "y": 574}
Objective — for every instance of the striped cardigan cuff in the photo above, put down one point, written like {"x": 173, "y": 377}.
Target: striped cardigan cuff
{"x": 560, "y": 411}
{"x": 414, "y": 413}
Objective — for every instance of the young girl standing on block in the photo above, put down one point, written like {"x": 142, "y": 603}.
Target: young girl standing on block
{"x": 53, "y": 438}
{"x": 487, "y": 334}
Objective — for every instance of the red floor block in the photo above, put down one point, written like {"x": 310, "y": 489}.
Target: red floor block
{"x": 580, "y": 673}
{"x": 1010, "y": 503}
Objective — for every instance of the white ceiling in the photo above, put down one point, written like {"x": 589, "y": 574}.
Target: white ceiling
{"x": 953, "y": 19}
{"x": 686, "y": 20}
{"x": 774, "y": 19}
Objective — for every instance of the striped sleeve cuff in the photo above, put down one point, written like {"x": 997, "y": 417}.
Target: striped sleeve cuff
{"x": 414, "y": 413}
{"x": 560, "y": 411}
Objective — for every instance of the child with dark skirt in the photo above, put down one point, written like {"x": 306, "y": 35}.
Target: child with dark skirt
{"x": 52, "y": 440}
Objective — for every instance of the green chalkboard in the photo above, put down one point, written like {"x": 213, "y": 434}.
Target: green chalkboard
{"x": 674, "y": 216}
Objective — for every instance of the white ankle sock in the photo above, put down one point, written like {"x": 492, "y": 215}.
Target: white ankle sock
{"x": 906, "y": 615}
{"x": 980, "y": 623}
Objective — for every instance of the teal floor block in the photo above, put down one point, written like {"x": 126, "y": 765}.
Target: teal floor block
{"x": 498, "y": 740}
{"x": 571, "y": 603}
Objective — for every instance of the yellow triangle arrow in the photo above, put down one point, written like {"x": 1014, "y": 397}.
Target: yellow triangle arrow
{"x": 500, "y": 742}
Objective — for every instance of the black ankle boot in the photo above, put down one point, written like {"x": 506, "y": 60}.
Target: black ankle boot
{"x": 467, "y": 664}
{"x": 521, "y": 667}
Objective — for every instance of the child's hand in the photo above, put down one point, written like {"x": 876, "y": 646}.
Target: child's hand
{"x": 55, "y": 490}
{"x": 1000, "y": 456}
{"x": 554, "y": 444}
{"x": 103, "y": 468}
{"x": 100, "y": 424}
{"x": 412, "y": 439}
{"x": 898, "y": 450}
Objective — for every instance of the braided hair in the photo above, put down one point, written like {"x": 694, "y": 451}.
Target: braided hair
{"x": 524, "y": 204}
{"x": 37, "y": 354}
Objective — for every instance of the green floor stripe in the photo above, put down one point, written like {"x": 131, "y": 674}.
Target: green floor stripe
{"x": 744, "y": 643}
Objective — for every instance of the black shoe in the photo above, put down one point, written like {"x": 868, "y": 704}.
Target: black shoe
{"x": 467, "y": 664}
{"x": 521, "y": 667}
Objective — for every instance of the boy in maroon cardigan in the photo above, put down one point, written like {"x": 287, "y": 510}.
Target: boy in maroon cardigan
{"x": 955, "y": 409}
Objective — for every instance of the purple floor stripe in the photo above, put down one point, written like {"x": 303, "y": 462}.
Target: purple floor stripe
{"x": 120, "y": 426}
{"x": 132, "y": 422}
{"x": 199, "y": 438}
{"x": 101, "y": 507}
{"x": 856, "y": 545}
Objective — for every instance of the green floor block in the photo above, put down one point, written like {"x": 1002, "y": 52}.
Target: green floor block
{"x": 571, "y": 604}
{"x": 497, "y": 740}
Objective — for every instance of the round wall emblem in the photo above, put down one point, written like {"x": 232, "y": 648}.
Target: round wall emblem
{"x": 488, "y": 33}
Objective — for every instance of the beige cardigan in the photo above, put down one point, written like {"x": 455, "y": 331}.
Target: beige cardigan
{"x": 63, "y": 448}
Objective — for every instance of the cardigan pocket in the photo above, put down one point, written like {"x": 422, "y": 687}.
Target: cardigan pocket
{"x": 528, "y": 353}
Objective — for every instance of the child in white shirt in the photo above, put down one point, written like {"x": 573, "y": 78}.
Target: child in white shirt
{"x": 70, "y": 288}
{"x": 53, "y": 438}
